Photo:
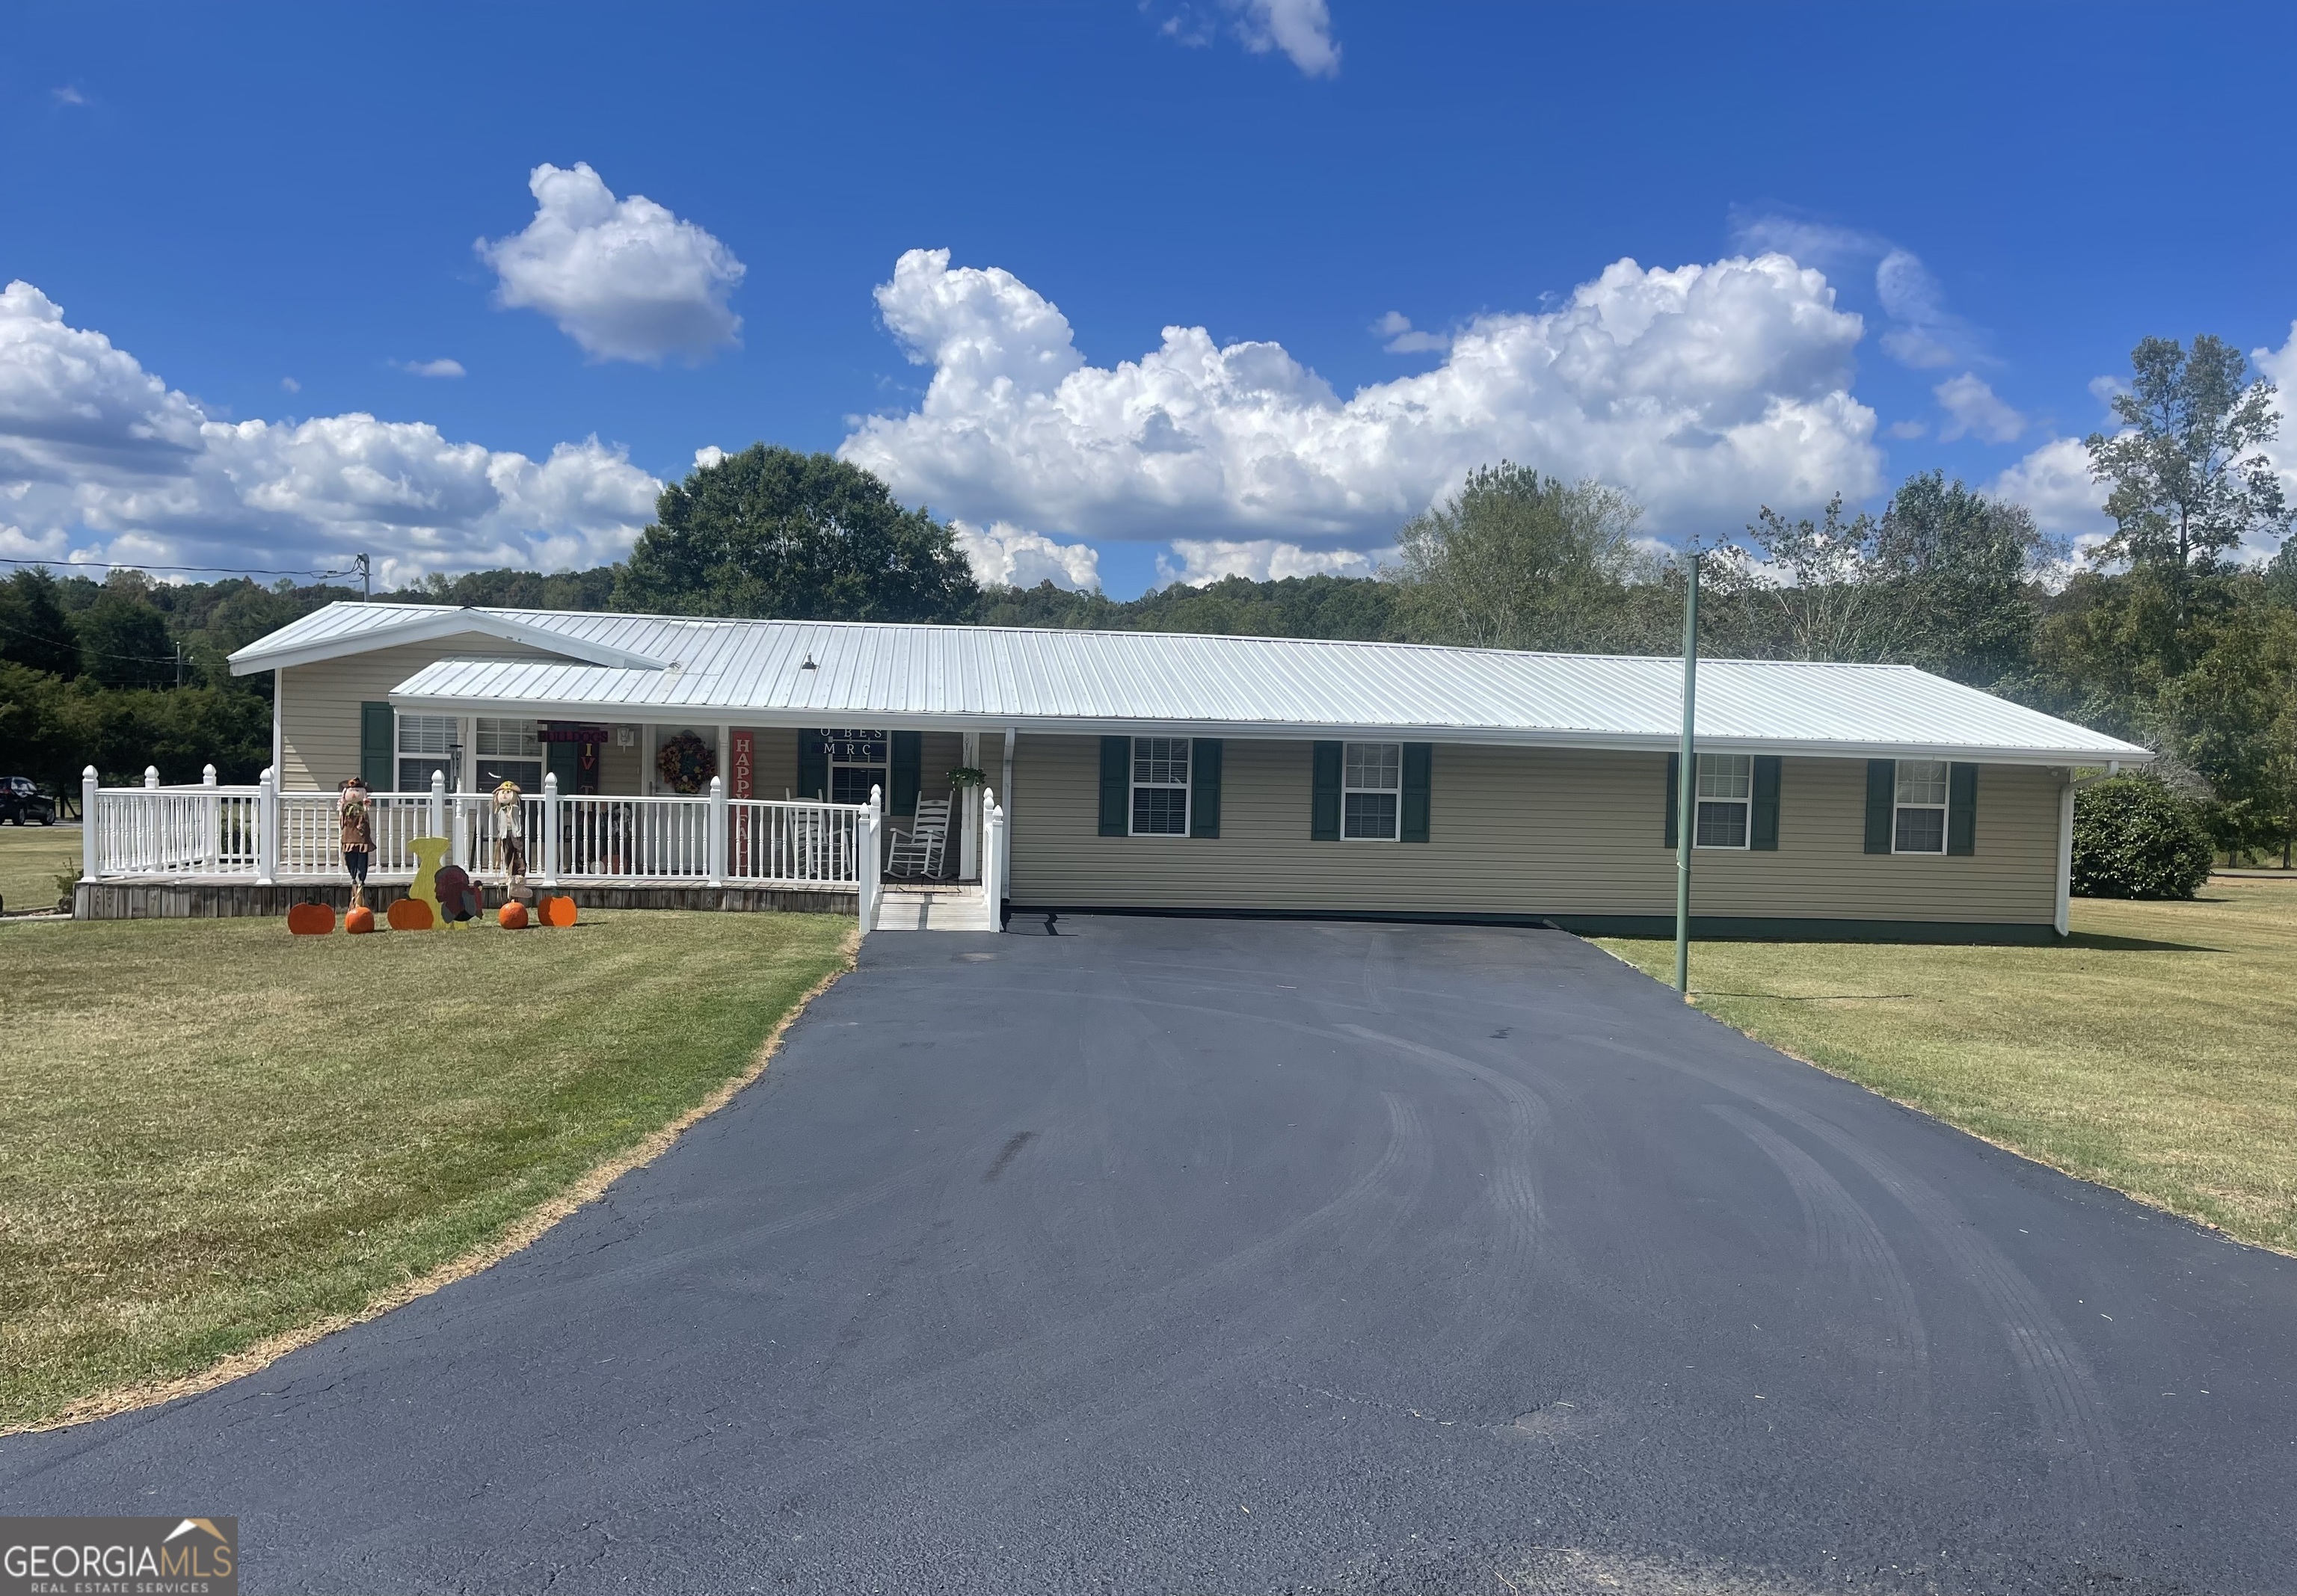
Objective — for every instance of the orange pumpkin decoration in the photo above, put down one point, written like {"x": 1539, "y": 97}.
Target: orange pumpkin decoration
{"x": 511, "y": 917}
{"x": 310, "y": 919}
{"x": 359, "y": 921}
{"x": 558, "y": 911}
{"x": 408, "y": 914}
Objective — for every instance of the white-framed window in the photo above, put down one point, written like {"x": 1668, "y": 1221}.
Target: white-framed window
{"x": 1372, "y": 791}
{"x": 507, "y": 751}
{"x": 1725, "y": 794}
{"x": 859, "y": 759}
{"x": 428, "y": 743}
{"x": 1160, "y": 786}
{"x": 1918, "y": 819}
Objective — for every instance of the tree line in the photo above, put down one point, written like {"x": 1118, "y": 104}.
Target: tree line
{"x": 2160, "y": 634}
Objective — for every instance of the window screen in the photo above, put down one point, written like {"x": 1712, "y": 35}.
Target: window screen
{"x": 1160, "y": 786}
{"x": 1727, "y": 790}
{"x": 1371, "y": 788}
{"x": 1918, "y": 824}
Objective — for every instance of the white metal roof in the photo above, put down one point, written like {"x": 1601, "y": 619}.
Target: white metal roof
{"x": 346, "y": 628}
{"x": 989, "y": 677}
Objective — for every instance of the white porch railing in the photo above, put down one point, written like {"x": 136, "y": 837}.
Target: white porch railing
{"x": 259, "y": 834}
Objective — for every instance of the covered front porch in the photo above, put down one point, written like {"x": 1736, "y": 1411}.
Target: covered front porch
{"x": 208, "y": 849}
{"x": 929, "y": 782}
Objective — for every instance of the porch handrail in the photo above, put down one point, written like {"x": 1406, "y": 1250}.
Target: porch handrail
{"x": 260, "y": 834}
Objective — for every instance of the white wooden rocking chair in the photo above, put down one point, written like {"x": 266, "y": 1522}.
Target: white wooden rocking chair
{"x": 918, "y": 847}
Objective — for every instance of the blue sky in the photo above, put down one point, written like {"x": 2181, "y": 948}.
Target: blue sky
{"x": 268, "y": 216}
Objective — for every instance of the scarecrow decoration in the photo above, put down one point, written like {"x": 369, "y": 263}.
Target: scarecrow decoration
{"x": 510, "y": 836}
{"x": 359, "y": 835}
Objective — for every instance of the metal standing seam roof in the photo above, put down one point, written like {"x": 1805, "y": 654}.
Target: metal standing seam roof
{"x": 991, "y": 677}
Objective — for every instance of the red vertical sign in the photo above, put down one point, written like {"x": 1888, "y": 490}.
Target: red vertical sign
{"x": 742, "y": 765}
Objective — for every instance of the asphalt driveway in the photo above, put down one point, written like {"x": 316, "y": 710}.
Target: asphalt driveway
{"x": 1221, "y": 1256}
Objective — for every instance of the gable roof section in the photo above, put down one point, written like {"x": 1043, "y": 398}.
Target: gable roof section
{"x": 676, "y": 669}
{"x": 347, "y": 629}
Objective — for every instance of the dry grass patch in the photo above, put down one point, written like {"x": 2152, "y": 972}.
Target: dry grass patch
{"x": 215, "y": 1133}
{"x": 30, "y": 858}
{"x": 2155, "y": 1051}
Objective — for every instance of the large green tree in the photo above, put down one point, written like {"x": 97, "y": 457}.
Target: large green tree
{"x": 35, "y": 632}
{"x": 125, "y": 640}
{"x": 2232, "y": 719}
{"x": 1965, "y": 569}
{"x": 2191, "y": 479}
{"x": 770, "y": 532}
{"x": 1520, "y": 560}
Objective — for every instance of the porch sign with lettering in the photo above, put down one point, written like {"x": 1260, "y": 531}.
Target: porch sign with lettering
{"x": 743, "y": 767}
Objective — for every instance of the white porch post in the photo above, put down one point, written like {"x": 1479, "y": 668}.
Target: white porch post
{"x": 2066, "y": 856}
{"x": 716, "y": 850}
{"x": 968, "y": 847}
{"x": 91, "y": 861}
{"x": 266, "y": 828}
{"x": 438, "y": 802}
{"x": 992, "y": 856}
{"x": 551, "y": 828}
{"x": 210, "y": 822}
{"x": 150, "y": 778}
{"x": 867, "y": 884}
{"x": 1005, "y": 820}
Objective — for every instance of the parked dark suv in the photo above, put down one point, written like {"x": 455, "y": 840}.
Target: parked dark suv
{"x": 24, "y": 803}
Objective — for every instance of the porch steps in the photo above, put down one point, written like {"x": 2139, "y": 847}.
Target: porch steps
{"x": 943, "y": 906}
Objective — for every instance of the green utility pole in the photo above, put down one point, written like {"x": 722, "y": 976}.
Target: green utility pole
{"x": 1686, "y": 786}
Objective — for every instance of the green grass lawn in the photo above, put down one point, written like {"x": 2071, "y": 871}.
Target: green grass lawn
{"x": 2155, "y": 1051}
{"x": 212, "y": 1133}
{"x": 30, "y": 858}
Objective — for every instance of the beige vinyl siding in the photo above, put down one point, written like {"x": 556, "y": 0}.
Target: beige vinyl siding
{"x": 621, "y": 770}
{"x": 319, "y": 702}
{"x": 1525, "y": 831}
{"x": 938, "y": 754}
{"x": 774, "y": 770}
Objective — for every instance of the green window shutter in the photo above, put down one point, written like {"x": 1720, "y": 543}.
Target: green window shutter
{"x": 1324, "y": 804}
{"x": 1674, "y": 805}
{"x": 1881, "y": 801}
{"x": 1764, "y": 834}
{"x": 813, "y": 765}
{"x": 1203, "y": 788}
{"x": 1962, "y": 809}
{"x": 564, "y": 760}
{"x": 907, "y": 773}
{"x": 1116, "y": 786}
{"x": 375, "y": 755}
{"x": 1419, "y": 759}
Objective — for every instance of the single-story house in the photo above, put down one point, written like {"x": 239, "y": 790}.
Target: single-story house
{"x": 1153, "y": 771}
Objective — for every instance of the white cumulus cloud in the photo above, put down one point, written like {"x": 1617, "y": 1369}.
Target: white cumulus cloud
{"x": 1201, "y": 561}
{"x": 1300, "y": 29}
{"x": 1972, "y": 407}
{"x": 1703, "y": 390}
{"x": 624, "y": 278}
{"x": 1922, "y": 332}
{"x": 2054, "y": 481}
{"x": 1401, "y": 338}
{"x": 1003, "y": 554}
{"x": 431, "y": 368}
{"x": 99, "y": 459}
